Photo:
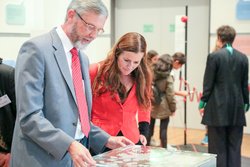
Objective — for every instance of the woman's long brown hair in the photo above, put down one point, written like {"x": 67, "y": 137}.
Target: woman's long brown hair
{"x": 108, "y": 78}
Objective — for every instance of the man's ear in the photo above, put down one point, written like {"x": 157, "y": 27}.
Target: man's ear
{"x": 70, "y": 13}
{"x": 219, "y": 43}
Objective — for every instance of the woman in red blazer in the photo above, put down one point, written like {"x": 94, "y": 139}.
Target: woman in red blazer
{"x": 121, "y": 87}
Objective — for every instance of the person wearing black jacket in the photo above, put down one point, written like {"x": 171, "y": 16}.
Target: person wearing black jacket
{"x": 225, "y": 99}
{"x": 7, "y": 111}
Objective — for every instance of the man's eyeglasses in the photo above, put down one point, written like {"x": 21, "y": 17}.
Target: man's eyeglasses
{"x": 91, "y": 27}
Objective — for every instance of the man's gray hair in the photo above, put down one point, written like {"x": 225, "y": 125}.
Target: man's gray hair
{"x": 83, "y": 6}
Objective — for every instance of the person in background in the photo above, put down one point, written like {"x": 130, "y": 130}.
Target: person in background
{"x": 121, "y": 86}
{"x": 53, "y": 93}
{"x": 152, "y": 57}
{"x": 179, "y": 59}
{"x": 225, "y": 99}
{"x": 165, "y": 82}
{"x": 205, "y": 139}
{"x": 7, "y": 111}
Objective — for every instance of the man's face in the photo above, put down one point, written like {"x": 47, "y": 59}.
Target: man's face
{"x": 86, "y": 28}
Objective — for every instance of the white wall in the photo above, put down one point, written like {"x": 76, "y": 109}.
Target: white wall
{"x": 229, "y": 16}
{"x": 12, "y": 36}
{"x": 42, "y": 16}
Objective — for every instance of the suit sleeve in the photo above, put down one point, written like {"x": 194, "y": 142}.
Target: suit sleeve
{"x": 245, "y": 90}
{"x": 98, "y": 139}
{"x": 144, "y": 115}
{"x": 209, "y": 77}
{"x": 170, "y": 94}
{"x": 143, "y": 121}
{"x": 30, "y": 85}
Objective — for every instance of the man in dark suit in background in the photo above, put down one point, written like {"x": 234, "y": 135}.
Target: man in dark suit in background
{"x": 7, "y": 111}
{"x": 225, "y": 99}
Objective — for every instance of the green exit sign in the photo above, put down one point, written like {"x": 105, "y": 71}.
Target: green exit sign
{"x": 15, "y": 14}
{"x": 171, "y": 28}
{"x": 148, "y": 28}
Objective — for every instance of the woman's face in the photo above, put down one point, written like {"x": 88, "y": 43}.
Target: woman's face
{"x": 128, "y": 61}
{"x": 154, "y": 59}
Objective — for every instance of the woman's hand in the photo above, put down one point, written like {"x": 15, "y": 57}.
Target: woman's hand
{"x": 143, "y": 140}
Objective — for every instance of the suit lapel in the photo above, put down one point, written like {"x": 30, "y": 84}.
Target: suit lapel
{"x": 62, "y": 62}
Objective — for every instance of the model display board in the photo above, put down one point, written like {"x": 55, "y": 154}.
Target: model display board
{"x": 144, "y": 156}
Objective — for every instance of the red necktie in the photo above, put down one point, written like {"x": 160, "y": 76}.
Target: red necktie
{"x": 79, "y": 91}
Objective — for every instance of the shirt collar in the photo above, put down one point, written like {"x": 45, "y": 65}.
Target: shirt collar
{"x": 67, "y": 44}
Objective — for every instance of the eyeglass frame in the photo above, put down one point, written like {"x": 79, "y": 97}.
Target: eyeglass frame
{"x": 91, "y": 27}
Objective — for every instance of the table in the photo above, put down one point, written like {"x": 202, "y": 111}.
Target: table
{"x": 147, "y": 156}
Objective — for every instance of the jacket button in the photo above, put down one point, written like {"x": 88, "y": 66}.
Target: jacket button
{"x": 74, "y": 123}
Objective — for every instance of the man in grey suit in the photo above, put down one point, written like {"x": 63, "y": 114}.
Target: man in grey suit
{"x": 47, "y": 130}
{"x": 225, "y": 99}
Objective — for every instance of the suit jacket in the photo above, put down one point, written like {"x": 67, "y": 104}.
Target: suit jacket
{"x": 225, "y": 88}
{"x": 7, "y": 112}
{"x": 117, "y": 116}
{"x": 46, "y": 105}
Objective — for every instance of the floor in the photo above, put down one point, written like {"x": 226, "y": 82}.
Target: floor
{"x": 194, "y": 136}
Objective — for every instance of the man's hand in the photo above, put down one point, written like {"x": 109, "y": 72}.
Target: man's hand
{"x": 201, "y": 107}
{"x": 246, "y": 107}
{"x": 201, "y": 111}
{"x": 80, "y": 155}
{"x": 118, "y": 141}
{"x": 143, "y": 140}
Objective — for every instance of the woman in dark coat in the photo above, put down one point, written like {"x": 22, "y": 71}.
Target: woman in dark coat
{"x": 165, "y": 82}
